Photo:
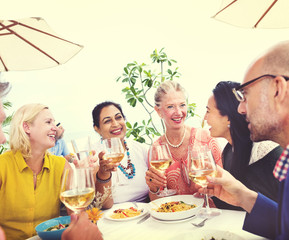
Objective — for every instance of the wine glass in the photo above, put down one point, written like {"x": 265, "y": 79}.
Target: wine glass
{"x": 114, "y": 150}
{"x": 77, "y": 189}
{"x": 200, "y": 165}
{"x": 161, "y": 159}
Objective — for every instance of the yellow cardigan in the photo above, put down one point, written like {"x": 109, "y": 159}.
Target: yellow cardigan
{"x": 22, "y": 207}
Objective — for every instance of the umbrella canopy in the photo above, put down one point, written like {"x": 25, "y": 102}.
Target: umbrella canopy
{"x": 255, "y": 13}
{"x": 30, "y": 44}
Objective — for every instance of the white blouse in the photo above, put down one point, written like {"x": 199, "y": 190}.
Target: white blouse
{"x": 134, "y": 189}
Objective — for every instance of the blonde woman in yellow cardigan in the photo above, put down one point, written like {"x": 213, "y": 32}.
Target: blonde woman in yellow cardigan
{"x": 30, "y": 177}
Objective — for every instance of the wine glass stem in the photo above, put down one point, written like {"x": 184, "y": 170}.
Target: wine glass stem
{"x": 165, "y": 190}
{"x": 208, "y": 209}
{"x": 117, "y": 177}
{"x": 77, "y": 212}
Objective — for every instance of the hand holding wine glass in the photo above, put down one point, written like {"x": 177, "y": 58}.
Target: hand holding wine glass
{"x": 161, "y": 159}
{"x": 77, "y": 189}
{"x": 200, "y": 165}
{"x": 114, "y": 151}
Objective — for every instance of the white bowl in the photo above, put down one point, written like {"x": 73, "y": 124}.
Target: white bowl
{"x": 189, "y": 199}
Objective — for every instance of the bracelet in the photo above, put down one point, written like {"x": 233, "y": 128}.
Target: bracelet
{"x": 103, "y": 181}
{"x": 154, "y": 192}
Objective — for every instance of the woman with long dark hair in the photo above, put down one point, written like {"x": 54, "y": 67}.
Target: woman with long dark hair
{"x": 245, "y": 160}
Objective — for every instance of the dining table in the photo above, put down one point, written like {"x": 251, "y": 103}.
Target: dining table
{"x": 228, "y": 221}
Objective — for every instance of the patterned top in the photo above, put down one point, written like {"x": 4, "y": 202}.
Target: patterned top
{"x": 176, "y": 173}
{"x": 282, "y": 165}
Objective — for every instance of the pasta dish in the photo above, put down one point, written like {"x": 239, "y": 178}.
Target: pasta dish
{"x": 125, "y": 213}
{"x": 175, "y": 206}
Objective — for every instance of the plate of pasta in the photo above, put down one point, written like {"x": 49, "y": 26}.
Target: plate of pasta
{"x": 175, "y": 207}
{"x": 125, "y": 212}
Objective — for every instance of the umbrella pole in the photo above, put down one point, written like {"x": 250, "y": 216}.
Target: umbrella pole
{"x": 225, "y": 8}
{"x": 265, "y": 13}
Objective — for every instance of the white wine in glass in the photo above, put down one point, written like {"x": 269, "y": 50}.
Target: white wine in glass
{"x": 77, "y": 189}
{"x": 200, "y": 165}
{"x": 161, "y": 159}
{"x": 114, "y": 150}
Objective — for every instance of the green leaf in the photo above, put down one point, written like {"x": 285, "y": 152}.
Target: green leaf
{"x": 134, "y": 134}
{"x": 126, "y": 71}
{"x": 141, "y": 140}
{"x": 135, "y": 125}
{"x": 130, "y": 65}
{"x": 128, "y": 125}
{"x": 128, "y": 133}
{"x": 169, "y": 71}
{"x": 129, "y": 96}
{"x": 125, "y": 89}
{"x": 150, "y": 83}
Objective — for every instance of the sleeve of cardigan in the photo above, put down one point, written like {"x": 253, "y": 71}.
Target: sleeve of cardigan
{"x": 263, "y": 218}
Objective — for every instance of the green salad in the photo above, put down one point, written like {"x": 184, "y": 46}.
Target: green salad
{"x": 57, "y": 227}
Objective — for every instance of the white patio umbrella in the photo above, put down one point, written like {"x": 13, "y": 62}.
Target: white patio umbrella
{"x": 254, "y": 13}
{"x": 30, "y": 44}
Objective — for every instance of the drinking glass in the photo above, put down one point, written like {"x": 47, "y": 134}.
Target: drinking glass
{"x": 114, "y": 150}
{"x": 77, "y": 189}
{"x": 200, "y": 165}
{"x": 161, "y": 159}
{"x": 82, "y": 148}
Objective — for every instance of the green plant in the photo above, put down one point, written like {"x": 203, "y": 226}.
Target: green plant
{"x": 5, "y": 126}
{"x": 139, "y": 80}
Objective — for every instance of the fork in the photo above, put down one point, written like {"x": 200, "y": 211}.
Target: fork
{"x": 201, "y": 224}
{"x": 135, "y": 204}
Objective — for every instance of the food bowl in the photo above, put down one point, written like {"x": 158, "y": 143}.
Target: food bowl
{"x": 52, "y": 235}
{"x": 169, "y": 216}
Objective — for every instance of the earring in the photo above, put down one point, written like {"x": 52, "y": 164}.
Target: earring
{"x": 229, "y": 126}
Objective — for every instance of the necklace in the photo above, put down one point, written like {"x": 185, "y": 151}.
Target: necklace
{"x": 129, "y": 170}
{"x": 181, "y": 142}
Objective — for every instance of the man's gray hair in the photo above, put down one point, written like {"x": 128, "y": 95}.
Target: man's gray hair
{"x": 4, "y": 89}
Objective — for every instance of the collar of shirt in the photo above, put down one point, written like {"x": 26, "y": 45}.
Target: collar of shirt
{"x": 282, "y": 165}
{"x": 21, "y": 164}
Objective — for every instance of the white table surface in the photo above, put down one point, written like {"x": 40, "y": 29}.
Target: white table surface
{"x": 151, "y": 229}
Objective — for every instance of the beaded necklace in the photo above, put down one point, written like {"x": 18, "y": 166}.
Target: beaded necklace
{"x": 181, "y": 142}
{"x": 129, "y": 170}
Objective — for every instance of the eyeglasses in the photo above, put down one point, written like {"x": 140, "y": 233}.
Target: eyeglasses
{"x": 239, "y": 93}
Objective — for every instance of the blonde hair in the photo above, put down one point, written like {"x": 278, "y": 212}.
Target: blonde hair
{"x": 164, "y": 88}
{"x": 19, "y": 140}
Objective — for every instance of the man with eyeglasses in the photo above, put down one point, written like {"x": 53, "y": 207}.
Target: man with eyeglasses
{"x": 264, "y": 100}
